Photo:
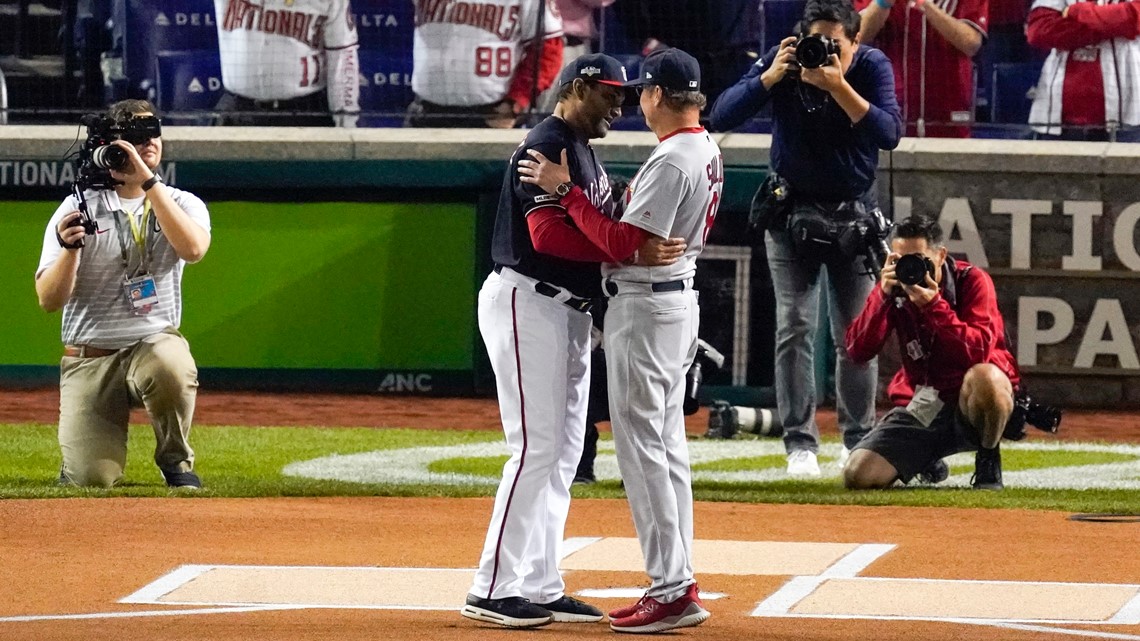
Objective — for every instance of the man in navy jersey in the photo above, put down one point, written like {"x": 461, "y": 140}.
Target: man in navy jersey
{"x": 534, "y": 316}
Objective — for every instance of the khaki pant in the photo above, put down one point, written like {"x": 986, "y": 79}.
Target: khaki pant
{"x": 96, "y": 396}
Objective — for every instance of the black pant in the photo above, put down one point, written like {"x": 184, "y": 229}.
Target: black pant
{"x": 307, "y": 111}
{"x": 422, "y": 113}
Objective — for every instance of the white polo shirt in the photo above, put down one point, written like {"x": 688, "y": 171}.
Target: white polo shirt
{"x": 98, "y": 314}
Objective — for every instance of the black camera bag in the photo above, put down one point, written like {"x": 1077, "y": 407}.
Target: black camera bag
{"x": 827, "y": 232}
{"x": 770, "y": 208}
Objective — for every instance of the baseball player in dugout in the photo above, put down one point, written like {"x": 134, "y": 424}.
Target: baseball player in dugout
{"x": 833, "y": 109}
{"x": 955, "y": 390}
{"x": 534, "y": 316}
{"x": 651, "y": 326}
{"x": 113, "y": 255}
{"x": 480, "y": 64}
{"x": 288, "y": 63}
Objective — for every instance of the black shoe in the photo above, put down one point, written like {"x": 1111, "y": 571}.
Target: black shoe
{"x": 936, "y": 472}
{"x": 182, "y": 479}
{"x": 571, "y": 610}
{"x": 987, "y": 470}
{"x": 585, "y": 477}
{"x": 511, "y": 612}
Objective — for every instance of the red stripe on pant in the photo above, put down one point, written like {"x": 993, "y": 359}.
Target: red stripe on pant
{"x": 522, "y": 457}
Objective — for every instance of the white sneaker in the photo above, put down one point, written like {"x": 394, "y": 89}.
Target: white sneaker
{"x": 803, "y": 463}
{"x": 843, "y": 456}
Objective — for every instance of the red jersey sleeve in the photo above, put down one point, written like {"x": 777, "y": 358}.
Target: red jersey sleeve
{"x": 548, "y": 68}
{"x": 1046, "y": 29}
{"x": 976, "y": 12}
{"x": 619, "y": 240}
{"x": 552, "y": 233}
{"x": 1121, "y": 20}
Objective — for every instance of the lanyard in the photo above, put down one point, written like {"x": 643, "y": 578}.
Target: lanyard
{"x": 138, "y": 229}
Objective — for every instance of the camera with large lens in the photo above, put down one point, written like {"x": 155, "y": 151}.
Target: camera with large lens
{"x": 1026, "y": 411}
{"x": 815, "y": 50}
{"x": 98, "y": 156}
{"x": 912, "y": 269}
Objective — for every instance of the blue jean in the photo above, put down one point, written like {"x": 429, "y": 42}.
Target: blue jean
{"x": 796, "y": 283}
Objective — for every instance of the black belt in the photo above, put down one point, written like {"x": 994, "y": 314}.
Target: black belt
{"x": 583, "y": 305}
{"x": 656, "y": 288}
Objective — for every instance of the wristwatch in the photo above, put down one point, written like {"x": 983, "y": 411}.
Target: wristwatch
{"x": 563, "y": 189}
{"x": 151, "y": 182}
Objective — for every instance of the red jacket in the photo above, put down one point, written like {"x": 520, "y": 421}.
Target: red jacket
{"x": 960, "y": 328}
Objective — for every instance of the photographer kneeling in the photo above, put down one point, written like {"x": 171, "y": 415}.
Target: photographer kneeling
{"x": 112, "y": 259}
{"x": 833, "y": 109}
{"x": 955, "y": 390}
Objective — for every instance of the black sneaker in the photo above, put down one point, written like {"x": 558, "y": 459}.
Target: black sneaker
{"x": 571, "y": 610}
{"x": 188, "y": 480}
{"x": 987, "y": 470}
{"x": 585, "y": 477}
{"x": 936, "y": 472}
{"x": 511, "y": 612}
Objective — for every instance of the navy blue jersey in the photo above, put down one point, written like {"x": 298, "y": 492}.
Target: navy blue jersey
{"x": 511, "y": 245}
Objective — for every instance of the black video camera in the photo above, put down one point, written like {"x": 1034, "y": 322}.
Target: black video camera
{"x": 1026, "y": 411}
{"x": 912, "y": 269}
{"x": 814, "y": 51}
{"x": 97, "y": 157}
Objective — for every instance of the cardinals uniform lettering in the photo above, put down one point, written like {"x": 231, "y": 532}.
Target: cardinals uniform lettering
{"x": 466, "y": 52}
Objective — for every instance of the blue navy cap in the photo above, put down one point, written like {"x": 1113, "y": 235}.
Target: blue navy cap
{"x": 669, "y": 68}
{"x": 594, "y": 67}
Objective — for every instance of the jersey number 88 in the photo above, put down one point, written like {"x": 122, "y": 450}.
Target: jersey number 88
{"x": 493, "y": 61}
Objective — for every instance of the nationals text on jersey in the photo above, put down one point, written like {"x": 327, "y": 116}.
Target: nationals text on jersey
{"x": 306, "y": 27}
{"x": 502, "y": 21}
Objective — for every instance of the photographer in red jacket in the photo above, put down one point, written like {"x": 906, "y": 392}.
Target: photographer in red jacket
{"x": 955, "y": 390}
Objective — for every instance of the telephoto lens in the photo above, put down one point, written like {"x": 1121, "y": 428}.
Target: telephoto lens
{"x": 110, "y": 157}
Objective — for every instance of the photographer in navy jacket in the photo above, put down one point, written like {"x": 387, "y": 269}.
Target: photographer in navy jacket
{"x": 829, "y": 123}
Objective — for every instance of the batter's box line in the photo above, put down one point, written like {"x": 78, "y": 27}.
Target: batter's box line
{"x": 780, "y": 603}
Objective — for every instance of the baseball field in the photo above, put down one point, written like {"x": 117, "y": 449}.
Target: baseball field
{"x": 362, "y": 517}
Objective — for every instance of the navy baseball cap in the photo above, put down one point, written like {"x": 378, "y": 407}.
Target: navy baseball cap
{"x": 594, "y": 67}
{"x": 669, "y": 68}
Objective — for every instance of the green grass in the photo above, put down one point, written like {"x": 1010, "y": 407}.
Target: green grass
{"x": 247, "y": 462}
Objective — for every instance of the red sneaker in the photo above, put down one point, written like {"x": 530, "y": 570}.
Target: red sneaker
{"x": 653, "y": 616}
{"x": 625, "y": 611}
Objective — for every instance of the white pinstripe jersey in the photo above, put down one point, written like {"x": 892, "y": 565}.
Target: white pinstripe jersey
{"x": 466, "y": 51}
{"x": 276, "y": 49}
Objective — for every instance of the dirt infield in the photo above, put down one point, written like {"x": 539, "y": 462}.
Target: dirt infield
{"x": 87, "y": 554}
{"x": 81, "y": 556}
